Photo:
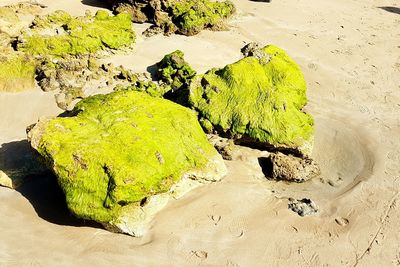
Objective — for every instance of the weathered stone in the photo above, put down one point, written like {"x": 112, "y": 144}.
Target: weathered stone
{"x": 183, "y": 17}
{"x": 256, "y": 101}
{"x": 291, "y": 168}
{"x": 302, "y": 207}
{"x": 122, "y": 156}
{"x": 59, "y": 34}
{"x": 176, "y": 75}
{"x": 224, "y": 146}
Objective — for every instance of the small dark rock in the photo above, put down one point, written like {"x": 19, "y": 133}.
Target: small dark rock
{"x": 303, "y": 206}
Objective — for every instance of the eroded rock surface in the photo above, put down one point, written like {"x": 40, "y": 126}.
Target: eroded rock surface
{"x": 78, "y": 77}
{"x": 303, "y": 207}
{"x": 59, "y": 34}
{"x": 122, "y": 156}
{"x": 56, "y": 46}
{"x": 256, "y": 101}
{"x": 225, "y": 147}
{"x": 183, "y": 17}
{"x": 291, "y": 168}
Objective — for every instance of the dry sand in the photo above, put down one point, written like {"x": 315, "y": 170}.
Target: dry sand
{"x": 349, "y": 51}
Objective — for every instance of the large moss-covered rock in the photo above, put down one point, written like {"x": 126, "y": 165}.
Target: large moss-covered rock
{"x": 121, "y": 156}
{"x": 256, "y": 101}
{"x": 174, "y": 16}
{"x": 59, "y": 34}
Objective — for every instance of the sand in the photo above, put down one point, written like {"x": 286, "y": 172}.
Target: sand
{"x": 349, "y": 51}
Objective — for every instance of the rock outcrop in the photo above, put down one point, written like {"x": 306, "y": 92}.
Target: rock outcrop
{"x": 175, "y": 71}
{"x": 256, "y": 101}
{"x": 183, "y": 17}
{"x": 291, "y": 168}
{"x": 59, "y": 34}
{"x": 120, "y": 157}
{"x": 78, "y": 77}
{"x": 17, "y": 70}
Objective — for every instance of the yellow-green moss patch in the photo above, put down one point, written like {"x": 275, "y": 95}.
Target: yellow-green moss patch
{"x": 120, "y": 148}
{"x": 184, "y": 17}
{"x": 257, "y": 100}
{"x": 192, "y": 16}
{"x": 60, "y": 34}
{"x": 16, "y": 74}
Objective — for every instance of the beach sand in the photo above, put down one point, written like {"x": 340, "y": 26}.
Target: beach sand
{"x": 349, "y": 52}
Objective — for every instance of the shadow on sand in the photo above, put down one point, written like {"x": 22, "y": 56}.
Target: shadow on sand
{"x": 37, "y": 184}
{"x": 95, "y": 3}
{"x": 152, "y": 69}
{"x": 266, "y": 166}
{"x": 391, "y": 9}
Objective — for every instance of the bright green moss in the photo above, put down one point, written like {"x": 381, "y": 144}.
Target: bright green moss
{"x": 192, "y": 16}
{"x": 258, "y": 100}
{"x": 120, "y": 148}
{"x": 148, "y": 87}
{"x": 175, "y": 71}
{"x": 17, "y": 74}
{"x": 83, "y": 35}
{"x": 187, "y": 17}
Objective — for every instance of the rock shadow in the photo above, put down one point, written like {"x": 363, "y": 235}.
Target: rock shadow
{"x": 37, "y": 184}
{"x": 95, "y": 3}
{"x": 266, "y": 166}
{"x": 152, "y": 69}
{"x": 17, "y": 161}
{"x": 265, "y": 1}
{"x": 391, "y": 9}
{"x": 48, "y": 200}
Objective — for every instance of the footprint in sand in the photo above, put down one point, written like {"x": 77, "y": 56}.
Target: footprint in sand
{"x": 230, "y": 263}
{"x": 215, "y": 219}
{"x": 176, "y": 251}
{"x": 342, "y": 221}
{"x": 237, "y": 227}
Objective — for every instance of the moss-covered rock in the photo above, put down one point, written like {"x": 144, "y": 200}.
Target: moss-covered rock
{"x": 149, "y": 87}
{"x": 192, "y": 16}
{"x": 173, "y": 77}
{"x": 59, "y": 34}
{"x": 122, "y": 151}
{"x": 183, "y": 17}
{"x": 17, "y": 73}
{"x": 257, "y": 101}
{"x": 175, "y": 71}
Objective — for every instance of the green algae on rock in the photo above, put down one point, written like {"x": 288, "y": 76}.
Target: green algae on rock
{"x": 175, "y": 71}
{"x": 123, "y": 150}
{"x": 17, "y": 73}
{"x": 256, "y": 101}
{"x": 192, "y": 16}
{"x": 149, "y": 87}
{"x": 59, "y": 34}
{"x": 173, "y": 76}
{"x": 183, "y": 17}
